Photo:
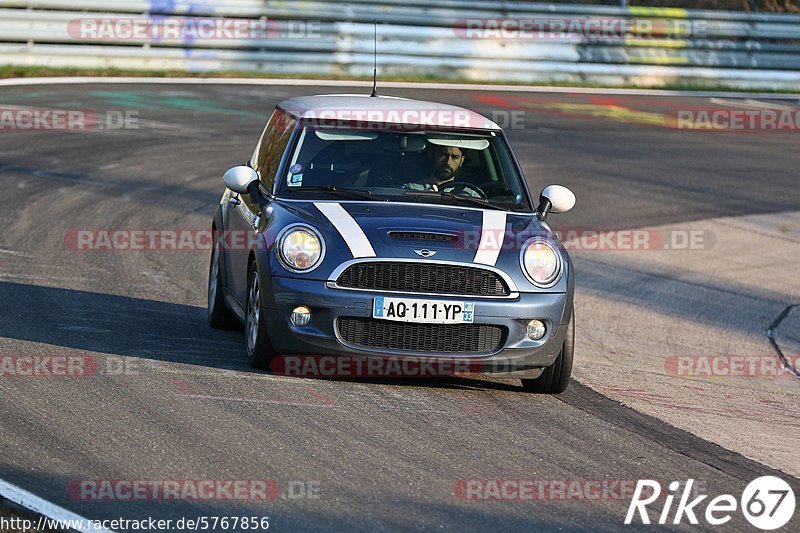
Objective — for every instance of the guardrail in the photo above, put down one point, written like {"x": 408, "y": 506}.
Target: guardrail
{"x": 459, "y": 39}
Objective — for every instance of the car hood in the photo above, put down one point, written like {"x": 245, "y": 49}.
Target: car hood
{"x": 390, "y": 230}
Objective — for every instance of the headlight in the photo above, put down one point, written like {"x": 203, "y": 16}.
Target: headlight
{"x": 541, "y": 262}
{"x": 300, "y": 248}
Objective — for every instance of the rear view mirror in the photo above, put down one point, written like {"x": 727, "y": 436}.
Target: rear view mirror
{"x": 238, "y": 178}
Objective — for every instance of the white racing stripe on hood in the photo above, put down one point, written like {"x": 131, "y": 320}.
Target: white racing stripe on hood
{"x": 493, "y": 232}
{"x": 348, "y": 228}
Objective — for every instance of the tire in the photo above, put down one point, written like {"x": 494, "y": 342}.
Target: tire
{"x": 219, "y": 316}
{"x": 259, "y": 348}
{"x": 555, "y": 378}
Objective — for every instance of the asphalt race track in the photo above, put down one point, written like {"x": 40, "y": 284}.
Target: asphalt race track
{"x": 172, "y": 399}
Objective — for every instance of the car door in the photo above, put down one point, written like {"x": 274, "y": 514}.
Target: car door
{"x": 243, "y": 210}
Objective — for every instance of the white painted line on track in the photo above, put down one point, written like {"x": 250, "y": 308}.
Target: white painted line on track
{"x": 297, "y": 82}
{"x": 45, "y": 508}
{"x": 753, "y": 104}
{"x": 16, "y": 253}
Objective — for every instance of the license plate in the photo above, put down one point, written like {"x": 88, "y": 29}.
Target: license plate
{"x": 423, "y": 311}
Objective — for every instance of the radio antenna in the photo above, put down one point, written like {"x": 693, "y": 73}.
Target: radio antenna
{"x": 375, "y": 62}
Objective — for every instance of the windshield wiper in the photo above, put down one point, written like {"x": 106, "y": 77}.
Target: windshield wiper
{"x": 464, "y": 199}
{"x": 354, "y": 193}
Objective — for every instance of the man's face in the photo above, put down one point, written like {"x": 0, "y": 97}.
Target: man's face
{"x": 446, "y": 161}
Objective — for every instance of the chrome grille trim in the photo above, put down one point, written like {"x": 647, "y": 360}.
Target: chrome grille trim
{"x": 512, "y": 287}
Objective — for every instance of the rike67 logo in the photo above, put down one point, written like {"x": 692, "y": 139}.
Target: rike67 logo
{"x": 767, "y": 503}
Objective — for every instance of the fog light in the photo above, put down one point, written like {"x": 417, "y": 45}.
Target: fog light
{"x": 301, "y": 316}
{"x": 536, "y": 330}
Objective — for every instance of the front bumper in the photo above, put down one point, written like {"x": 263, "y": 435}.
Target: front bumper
{"x": 516, "y": 354}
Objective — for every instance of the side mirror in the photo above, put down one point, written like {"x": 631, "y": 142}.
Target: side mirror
{"x": 555, "y": 199}
{"x": 238, "y": 178}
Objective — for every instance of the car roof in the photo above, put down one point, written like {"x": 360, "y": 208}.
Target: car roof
{"x": 385, "y": 109}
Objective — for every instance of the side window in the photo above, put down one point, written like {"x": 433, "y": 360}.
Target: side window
{"x": 269, "y": 151}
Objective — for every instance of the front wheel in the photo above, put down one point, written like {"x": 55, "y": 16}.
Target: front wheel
{"x": 555, "y": 378}
{"x": 259, "y": 348}
{"x": 219, "y": 316}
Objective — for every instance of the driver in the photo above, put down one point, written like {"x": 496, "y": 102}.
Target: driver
{"x": 443, "y": 164}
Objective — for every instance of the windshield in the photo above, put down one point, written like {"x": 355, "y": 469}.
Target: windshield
{"x": 444, "y": 167}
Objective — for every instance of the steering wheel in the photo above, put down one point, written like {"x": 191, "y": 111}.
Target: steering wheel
{"x": 458, "y": 187}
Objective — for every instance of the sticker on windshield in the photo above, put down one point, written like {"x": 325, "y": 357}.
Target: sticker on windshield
{"x": 295, "y": 180}
{"x": 296, "y": 168}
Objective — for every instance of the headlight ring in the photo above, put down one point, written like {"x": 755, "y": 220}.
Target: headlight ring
{"x": 541, "y": 262}
{"x": 299, "y": 245}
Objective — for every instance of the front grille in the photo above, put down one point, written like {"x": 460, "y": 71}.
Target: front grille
{"x": 422, "y": 236}
{"x": 420, "y": 338}
{"x": 423, "y": 278}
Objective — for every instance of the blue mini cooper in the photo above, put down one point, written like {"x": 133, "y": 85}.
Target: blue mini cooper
{"x": 388, "y": 228}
